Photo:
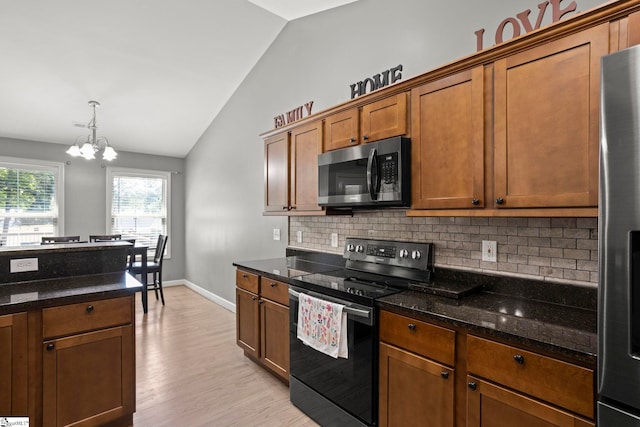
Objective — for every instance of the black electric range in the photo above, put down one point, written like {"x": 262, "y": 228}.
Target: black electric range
{"x": 373, "y": 269}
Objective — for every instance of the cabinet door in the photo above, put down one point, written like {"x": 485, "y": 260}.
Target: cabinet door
{"x": 13, "y": 364}
{"x": 274, "y": 343}
{"x": 414, "y": 391}
{"x": 489, "y": 405}
{"x": 448, "y": 142}
{"x": 276, "y": 173}
{"x": 248, "y": 322}
{"x": 547, "y": 123}
{"x": 89, "y": 379}
{"x": 384, "y": 118}
{"x": 341, "y": 130}
{"x": 306, "y": 144}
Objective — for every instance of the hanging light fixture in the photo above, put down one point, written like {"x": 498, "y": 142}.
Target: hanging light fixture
{"x": 88, "y": 146}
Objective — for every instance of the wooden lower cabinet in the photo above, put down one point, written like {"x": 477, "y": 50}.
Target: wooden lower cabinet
{"x": 13, "y": 365}
{"x": 262, "y": 321}
{"x": 89, "y": 379}
{"x": 414, "y": 391}
{"x": 490, "y": 405}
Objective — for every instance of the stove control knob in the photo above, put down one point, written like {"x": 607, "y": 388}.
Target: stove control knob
{"x": 416, "y": 255}
{"x": 404, "y": 253}
{"x": 359, "y": 248}
{"x": 351, "y": 247}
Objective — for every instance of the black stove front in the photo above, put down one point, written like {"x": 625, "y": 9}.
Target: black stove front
{"x": 342, "y": 391}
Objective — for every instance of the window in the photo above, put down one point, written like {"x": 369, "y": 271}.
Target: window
{"x": 138, "y": 205}
{"x": 31, "y": 201}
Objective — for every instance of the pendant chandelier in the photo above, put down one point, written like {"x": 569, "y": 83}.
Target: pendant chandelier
{"x": 88, "y": 146}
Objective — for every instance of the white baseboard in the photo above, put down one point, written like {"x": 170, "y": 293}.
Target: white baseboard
{"x": 205, "y": 293}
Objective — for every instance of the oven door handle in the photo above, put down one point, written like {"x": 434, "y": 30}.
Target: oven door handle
{"x": 349, "y": 310}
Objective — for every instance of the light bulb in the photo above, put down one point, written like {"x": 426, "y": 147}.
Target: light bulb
{"x": 109, "y": 153}
{"x": 87, "y": 151}
{"x": 74, "y": 151}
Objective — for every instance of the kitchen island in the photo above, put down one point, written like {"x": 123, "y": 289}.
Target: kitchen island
{"x": 67, "y": 334}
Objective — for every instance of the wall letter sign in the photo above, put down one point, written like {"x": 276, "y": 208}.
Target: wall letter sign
{"x": 513, "y": 26}
{"x": 382, "y": 79}
{"x": 294, "y": 115}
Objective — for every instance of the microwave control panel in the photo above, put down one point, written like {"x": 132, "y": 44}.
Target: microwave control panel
{"x": 389, "y": 168}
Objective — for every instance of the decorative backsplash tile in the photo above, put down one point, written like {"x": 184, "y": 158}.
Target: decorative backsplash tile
{"x": 556, "y": 249}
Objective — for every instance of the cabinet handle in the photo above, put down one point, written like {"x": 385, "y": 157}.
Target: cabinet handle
{"x": 89, "y": 308}
{"x": 365, "y": 137}
{"x": 284, "y": 208}
{"x": 411, "y": 326}
{"x": 260, "y": 301}
{"x": 244, "y": 276}
{"x": 444, "y": 374}
{"x": 500, "y": 200}
{"x": 254, "y": 298}
{"x": 352, "y": 140}
{"x": 475, "y": 202}
{"x": 472, "y": 385}
{"x": 519, "y": 358}
{"x": 273, "y": 284}
{"x": 50, "y": 346}
{"x": 292, "y": 207}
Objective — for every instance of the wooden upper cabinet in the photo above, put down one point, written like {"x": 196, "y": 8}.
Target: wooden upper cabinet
{"x": 547, "y": 123}
{"x": 276, "y": 173}
{"x": 447, "y": 169}
{"x": 372, "y": 122}
{"x": 384, "y": 119}
{"x": 341, "y": 129}
{"x": 306, "y": 144}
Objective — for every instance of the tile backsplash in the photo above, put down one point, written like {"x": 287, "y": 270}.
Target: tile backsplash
{"x": 555, "y": 249}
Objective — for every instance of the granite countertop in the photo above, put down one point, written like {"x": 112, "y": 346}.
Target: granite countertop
{"x": 20, "y": 296}
{"x": 552, "y": 317}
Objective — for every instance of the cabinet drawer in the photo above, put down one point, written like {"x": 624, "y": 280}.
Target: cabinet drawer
{"x": 419, "y": 337}
{"x": 275, "y": 291}
{"x": 564, "y": 384}
{"x": 247, "y": 281}
{"x": 86, "y": 316}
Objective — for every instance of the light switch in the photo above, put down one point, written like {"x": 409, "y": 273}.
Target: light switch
{"x": 276, "y": 234}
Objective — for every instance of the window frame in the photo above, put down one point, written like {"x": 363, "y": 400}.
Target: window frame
{"x": 140, "y": 173}
{"x": 43, "y": 165}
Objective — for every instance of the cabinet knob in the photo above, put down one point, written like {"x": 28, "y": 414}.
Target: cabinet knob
{"x": 260, "y": 301}
{"x": 444, "y": 374}
{"x": 472, "y": 385}
{"x": 500, "y": 200}
{"x": 253, "y": 298}
{"x": 284, "y": 208}
{"x": 244, "y": 276}
{"x": 411, "y": 326}
{"x": 273, "y": 284}
{"x": 519, "y": 358}
{"x": 50, "y": 346}
{"x": 292, "y": 207}
{"x": 352, "y": 140}
{"x": 475, "y": 202}
{"x": 365, "y": 137}
{"x": 89, "y": 308}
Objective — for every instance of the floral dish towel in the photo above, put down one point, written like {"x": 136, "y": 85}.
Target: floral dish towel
{"x": 322, "y": 325}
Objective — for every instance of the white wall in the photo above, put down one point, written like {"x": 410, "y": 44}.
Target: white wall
{"x": 85, "y": 210}
{"x": 313, "y": 59}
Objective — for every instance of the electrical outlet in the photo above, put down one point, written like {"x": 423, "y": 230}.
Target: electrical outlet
{"x": 276, "y": 234}
{"x": 299, "y": 236}
{"x": 23, "y": 264}
{"x": 334, "y": 240}
{"x": 489, "y": 251}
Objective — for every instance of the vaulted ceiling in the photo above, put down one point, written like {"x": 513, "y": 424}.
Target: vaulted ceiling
{"x": 161, "y": 69}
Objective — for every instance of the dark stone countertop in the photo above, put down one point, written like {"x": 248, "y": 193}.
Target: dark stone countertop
{"x": 21, "y": 296}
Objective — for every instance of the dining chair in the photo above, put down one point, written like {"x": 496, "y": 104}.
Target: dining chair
{"x": 154, "y": 266}
{"x": 60, "y": 239}
{"x": 104, "y": 237}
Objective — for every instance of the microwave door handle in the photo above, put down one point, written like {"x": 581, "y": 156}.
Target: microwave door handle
{"x": 372, "y": 174}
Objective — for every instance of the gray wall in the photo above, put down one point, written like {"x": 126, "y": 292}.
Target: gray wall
{"x": 313, "y": 59}
{"x": 85, "y": 191}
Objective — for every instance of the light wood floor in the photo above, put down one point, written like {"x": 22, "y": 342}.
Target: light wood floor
{"x": 190, "y": 372}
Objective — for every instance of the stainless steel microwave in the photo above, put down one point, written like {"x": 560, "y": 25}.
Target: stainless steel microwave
{"x": 375, "y": 174}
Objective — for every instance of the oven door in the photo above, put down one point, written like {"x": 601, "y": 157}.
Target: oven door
{"x": 351, "y": 383}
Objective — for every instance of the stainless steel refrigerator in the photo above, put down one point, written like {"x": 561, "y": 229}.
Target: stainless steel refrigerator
{"x": 619, "y": 241}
